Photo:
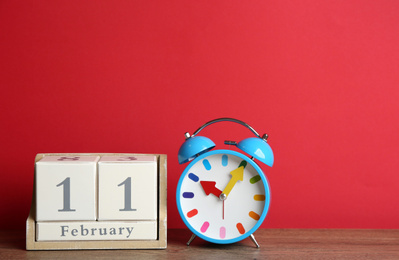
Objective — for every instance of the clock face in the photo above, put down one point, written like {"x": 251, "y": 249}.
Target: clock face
{"x": 223, "y": 196}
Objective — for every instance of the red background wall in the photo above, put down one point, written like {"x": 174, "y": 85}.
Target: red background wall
{"x": 320, "y": 77}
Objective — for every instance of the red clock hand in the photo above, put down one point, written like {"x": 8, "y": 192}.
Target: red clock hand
{"x": 209, "y": 187}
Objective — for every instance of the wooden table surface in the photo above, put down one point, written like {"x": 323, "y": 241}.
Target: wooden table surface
{"x": 274, "y": 244}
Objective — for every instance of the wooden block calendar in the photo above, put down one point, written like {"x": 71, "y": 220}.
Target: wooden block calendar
{"x": 98, "y": 201}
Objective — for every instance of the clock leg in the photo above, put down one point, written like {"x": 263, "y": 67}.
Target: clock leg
{"x": 191, "y": 239}
{"x": 254, "y": 240}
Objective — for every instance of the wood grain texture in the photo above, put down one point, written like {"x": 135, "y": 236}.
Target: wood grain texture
{"x": 275, "y": 244}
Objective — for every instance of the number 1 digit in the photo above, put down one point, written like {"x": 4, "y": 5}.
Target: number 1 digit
{"x": 67, "y": 195}
{"x": 128, "y": 194}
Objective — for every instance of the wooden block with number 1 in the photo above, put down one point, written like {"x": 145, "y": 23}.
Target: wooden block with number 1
{"x": 127, "y": 188}
{"x": 66, "y": 188}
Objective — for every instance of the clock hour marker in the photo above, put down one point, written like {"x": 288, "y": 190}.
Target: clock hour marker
{"x": 254, "y": 179}
{"x": 222, "y": 232}
{"x": 254, "y": 215}
{"x": 188, "y": 195}
{"x": 225, "y": 160}
{"x": 240, "y": 228}
{"x": 205, "y": 227}
{"x": 207, "y": 165}
{"x": 192, "y": 213}
{"x": 193, "y": 177}
{"x": 259, "y": 197}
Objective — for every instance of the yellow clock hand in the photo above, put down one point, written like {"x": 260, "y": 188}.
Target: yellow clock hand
{"x": 236, "y": 175}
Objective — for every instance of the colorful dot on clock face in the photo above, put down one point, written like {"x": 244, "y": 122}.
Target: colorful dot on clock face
{"x": 225, "y": 160}
{"x": 254, "y": 179}
{"x": 222, "y": 232}
{"x": 188, "y": 195}
{"x": 205, "y": 227}
{"x": 193, "y": 177}
{"x": 259, "y": 197}
{"x": 240, "y": 228}
{"x": 192, "y": 213}
{"x": 254, "y": 215}
{"x": 207, "y": 164}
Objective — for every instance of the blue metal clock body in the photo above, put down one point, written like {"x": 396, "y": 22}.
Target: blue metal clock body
{"x": 223, "y": 196}
{"x": 215, "y": 166}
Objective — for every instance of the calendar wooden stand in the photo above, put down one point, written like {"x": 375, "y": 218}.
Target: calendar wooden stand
{"x": 159, "y": 243}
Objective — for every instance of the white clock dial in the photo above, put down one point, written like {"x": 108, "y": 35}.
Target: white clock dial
{"x": 223, "y": 196}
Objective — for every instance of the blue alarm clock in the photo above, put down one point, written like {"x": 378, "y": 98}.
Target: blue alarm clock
{"x": 223, "y": 196}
